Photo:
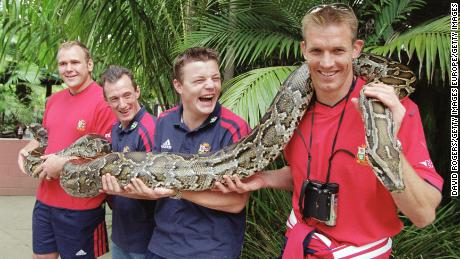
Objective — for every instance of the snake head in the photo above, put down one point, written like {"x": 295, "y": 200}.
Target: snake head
{"x": 39, "y": 133}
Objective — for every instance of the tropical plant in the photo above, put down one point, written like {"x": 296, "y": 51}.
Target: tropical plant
{"x": 13, "y": 112}
{"x": 438, "y": 240}
{"x": 136, "y": 34}
{"x": 19, "y": 88}
{"x": 254, "y": 35}
{"x": 258, "y": 41}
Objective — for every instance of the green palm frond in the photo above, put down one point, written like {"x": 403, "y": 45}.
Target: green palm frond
{"x": 250, "y": 36}
{"x": 127, "y": 33}
{"x": 392, "y": 12}
{"x": 251, "y": 93}
{"x": 429, "y": 41}
{"x": 252, "y": 32}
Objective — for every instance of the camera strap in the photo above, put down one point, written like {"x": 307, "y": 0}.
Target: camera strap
{"x": 333, "y": 152}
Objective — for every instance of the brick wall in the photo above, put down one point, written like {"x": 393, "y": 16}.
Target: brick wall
{"x": 12, "y": 180}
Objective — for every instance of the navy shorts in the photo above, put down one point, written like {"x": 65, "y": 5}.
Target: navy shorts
{"x": 71, "y": 233}
{"x": 150, "y": 255}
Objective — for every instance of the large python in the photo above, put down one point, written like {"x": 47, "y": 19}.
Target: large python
{"x": 82, "y": 178}
{"x": 86, "y": 147}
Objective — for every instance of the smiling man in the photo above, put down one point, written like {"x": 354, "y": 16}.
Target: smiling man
{"x": 205, "y": 224}
{"x": 61, "y": 224}
{"x": 326, "y": 155}
{"x": 132, "y": 219}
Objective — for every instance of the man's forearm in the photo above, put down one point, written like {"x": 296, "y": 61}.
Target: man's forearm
{"x": 419, "y": 200}
{"x": 277, "y": 179}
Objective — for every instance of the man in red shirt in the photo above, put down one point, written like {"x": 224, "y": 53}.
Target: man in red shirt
{"x": 63, "y": 225}
{"x": 332, "y": 134}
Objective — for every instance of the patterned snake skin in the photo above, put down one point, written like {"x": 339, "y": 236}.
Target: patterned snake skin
{"x": 86, "y": 147}
{"x": 82, "y": 177}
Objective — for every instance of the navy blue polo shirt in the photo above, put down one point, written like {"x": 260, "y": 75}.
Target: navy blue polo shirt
{"x": 133, "y": 220}
{"x": 185, "y": 229}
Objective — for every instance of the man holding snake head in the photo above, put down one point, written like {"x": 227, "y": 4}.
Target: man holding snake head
{"x": 340, "y": 208}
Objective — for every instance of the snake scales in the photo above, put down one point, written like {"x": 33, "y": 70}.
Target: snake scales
{"x": 82, "y": 177}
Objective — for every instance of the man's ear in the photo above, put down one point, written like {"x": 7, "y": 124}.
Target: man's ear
{"x": 177, "y": 86}
{"x": 90, "y": 65}
{"x": 303, "y": 47}
{"x": 357, "y": 47}
{"x": 138, "y": 92}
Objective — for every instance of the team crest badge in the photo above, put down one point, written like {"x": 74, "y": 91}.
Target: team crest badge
{"x": 134, "y": 125}
{"x": 361, "y": 157}
{"x": 204, "y": 148}
{"x": 126, "y": 149}
{"x": 81, "y": 125}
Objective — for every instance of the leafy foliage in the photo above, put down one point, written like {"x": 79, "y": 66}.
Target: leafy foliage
{"x": 429, "y": 41}
{"x": 438, "y": 240}
{"x": 14, "y": 111}
{"x": 253, "y": 91}
{"x": 266, "y": 223}
{"x": 386, "y": 16}
{"x": 258, "y": 41}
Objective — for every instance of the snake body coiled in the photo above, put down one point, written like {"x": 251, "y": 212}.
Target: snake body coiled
{"x": 82, "y": 178}
{"x": 87, "y": 147}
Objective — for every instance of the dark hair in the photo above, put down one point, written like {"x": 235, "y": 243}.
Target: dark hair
{"x": 190, "y": 55}
{"x": 69, "y": 44}
{"x": 113, "y": 73}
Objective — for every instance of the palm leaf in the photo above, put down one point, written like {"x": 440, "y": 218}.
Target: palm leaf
{"x": 252, "y": 37}
{"x": 127, "y": 33}
{"x": 264, "y": 234}
{"x": 394, "y": 11}
{"x": 428, "y": 41}
{"x": 246, "y": 33}
{"x": 250, "y": 94}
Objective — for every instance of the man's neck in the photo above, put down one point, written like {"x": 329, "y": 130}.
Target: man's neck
{"x": 79, "y": 89}
{"x": 125, "y": 125}
{"x": 333, "y": 97}
{"x": 191, "y": 120}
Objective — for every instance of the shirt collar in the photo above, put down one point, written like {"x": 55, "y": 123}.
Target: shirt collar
{"x": 212, "y": 118}
{"x": 133, "y": 124}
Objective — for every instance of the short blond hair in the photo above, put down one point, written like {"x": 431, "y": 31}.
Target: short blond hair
{"x": 336, "y": 14}
{"x": 69, "y": 44}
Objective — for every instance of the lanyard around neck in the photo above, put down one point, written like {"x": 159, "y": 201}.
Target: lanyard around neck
{"x": 331, "y": 156}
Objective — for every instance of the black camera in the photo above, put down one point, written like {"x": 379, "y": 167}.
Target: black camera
{"x": 319, "y": 201}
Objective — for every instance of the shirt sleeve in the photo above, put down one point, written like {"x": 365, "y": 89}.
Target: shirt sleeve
{"x": 414, "y": 145}
{"x": 235, "y": 133}
{"x": 45, "y": 114}
{"x": 142, "y": 148}
{"x": 104, "y": 120}
{"x": 157, "y": 136}
{"x": 143, "y": 142}
{"x": 146, "y": 133}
